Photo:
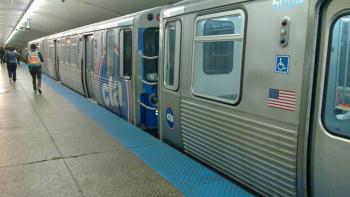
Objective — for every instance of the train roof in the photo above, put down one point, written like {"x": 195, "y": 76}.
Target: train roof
{"x": 110, "y": 23}
{"x": 189, "y": 6}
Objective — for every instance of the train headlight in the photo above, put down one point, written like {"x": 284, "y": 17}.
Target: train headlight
{"x": 153, "y": 99}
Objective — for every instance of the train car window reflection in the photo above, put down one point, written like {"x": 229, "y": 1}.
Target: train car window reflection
{"x": 110, "y": 52}
{"x": 219, "y": 26}
{"x": 337, "y": 101}
{"x": 172, "y": 54}
{"x": 218, "y": 56}
{"x": 150, "y": 52}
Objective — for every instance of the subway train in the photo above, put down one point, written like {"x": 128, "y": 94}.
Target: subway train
{"x": 258, "y": 90}
{"x": 114, "y": 63}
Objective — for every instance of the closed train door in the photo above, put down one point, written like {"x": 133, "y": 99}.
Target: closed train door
{"x": 88, "y": 65}
{"x": 170, "y": 93}
{"x": 330, "y": 161}
{"x": 51, "y": 56}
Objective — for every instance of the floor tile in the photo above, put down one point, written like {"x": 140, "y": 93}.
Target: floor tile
{"x": 118, "y": 173}
{"x": 44, "y": 179}
{"x": 84, "y": 140}
{"x": 23, "y": 145}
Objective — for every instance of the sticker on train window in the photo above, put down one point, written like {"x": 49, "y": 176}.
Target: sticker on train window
{"x": 286, "y": 4}
{"x": 282, "y": 64}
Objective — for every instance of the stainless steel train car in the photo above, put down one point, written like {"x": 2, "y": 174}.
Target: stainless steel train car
{"x": 260, "y": 90}
{"x": 114, "y": 62}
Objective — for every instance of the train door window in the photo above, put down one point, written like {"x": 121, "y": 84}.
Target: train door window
{"x": 125, "y": 60}
{"x": 150, "y": 54}
{"x": 49, "y": 53}
{"x": 53, "y": 55}
{"x": 110, "y": 51}
{"x": 68, "y": 51}
{"x": 172, "y": 55}
{"x": 62, "y": 52}
{"x": 74, "y": 53}
{"x": 89, "y": 53}
{"x": 336, "y": 112}
{"x": 217, "y": 57}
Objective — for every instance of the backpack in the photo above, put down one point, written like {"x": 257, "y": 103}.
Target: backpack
{"x": 34, "y": 59}
{"x": 11, "y": 57}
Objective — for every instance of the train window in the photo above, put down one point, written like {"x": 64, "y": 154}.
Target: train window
{"x": 89, "y": 50}
{"x": 336, "y": 113}
{"x": 150, "y": 54}
{"x": 217, "y": 58}
{"x": 74, "y": 53}
{"x": 125, "y": 60}
{"x": 218, "y": 55}
{"x": 110, "y": 52}
{"x": 68, "y": 51}
{"x": 62, "y": 53}
{"x": 172, "y": 55}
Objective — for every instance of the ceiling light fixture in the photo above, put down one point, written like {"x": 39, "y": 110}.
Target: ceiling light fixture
{"x": 11, "y": 4}
{"x": 34, "y": 5}
{"x": 28, "y": 24}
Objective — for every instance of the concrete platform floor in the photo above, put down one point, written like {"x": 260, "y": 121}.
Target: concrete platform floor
{"x": 49, "y": 148}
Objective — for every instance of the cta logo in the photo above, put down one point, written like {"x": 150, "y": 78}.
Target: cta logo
{"x": 170, "y": 119}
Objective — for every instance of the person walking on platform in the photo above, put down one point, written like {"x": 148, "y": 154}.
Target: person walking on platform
{"x": 11, "y": 60}
{"x": 34, "y": 60}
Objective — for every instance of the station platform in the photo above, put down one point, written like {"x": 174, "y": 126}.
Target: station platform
{"x": 61, "y": 144}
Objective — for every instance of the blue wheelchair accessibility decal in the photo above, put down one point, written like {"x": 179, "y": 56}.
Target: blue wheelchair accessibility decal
{"x": 282, "y": 64}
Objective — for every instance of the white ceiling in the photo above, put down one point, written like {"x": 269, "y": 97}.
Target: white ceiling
{"x": 52, "y": 16}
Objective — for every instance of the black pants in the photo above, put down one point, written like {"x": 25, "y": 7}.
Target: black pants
{"x": 36, "y": 73}
{"x": 11, "y": 69}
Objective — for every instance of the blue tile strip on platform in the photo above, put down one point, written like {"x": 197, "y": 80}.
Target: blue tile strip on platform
{"x": 187, "y": 175}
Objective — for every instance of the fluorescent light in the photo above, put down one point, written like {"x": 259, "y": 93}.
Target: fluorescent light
{"x": 26, "y": 15}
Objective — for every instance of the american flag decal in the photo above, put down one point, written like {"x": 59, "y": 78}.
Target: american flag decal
{"x": 282, "y": 99}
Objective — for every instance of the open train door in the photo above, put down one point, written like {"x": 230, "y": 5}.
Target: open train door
{"x": 330, "y": 152}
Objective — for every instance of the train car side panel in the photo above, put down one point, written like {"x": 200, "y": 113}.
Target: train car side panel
{"x": 233, "y": 116}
